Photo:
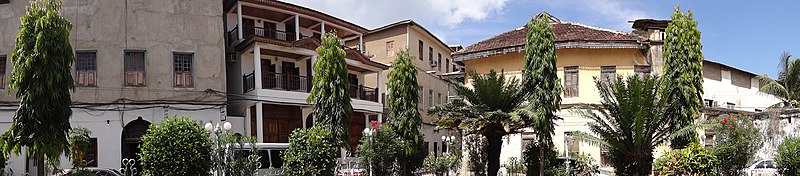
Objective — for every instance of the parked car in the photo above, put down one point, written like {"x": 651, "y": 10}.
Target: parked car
{"x": 95, "y": 170}
{"x": 765, "y": 167}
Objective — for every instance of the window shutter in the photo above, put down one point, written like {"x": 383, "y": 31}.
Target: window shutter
{"x": 189, "y": 81}
{"x": 130, "y": 78}
{"x": 178, "y": 79}
{"x": 140, "y": 78}
{"x": 91, "y": 78}
{"x": 81, "y": 78}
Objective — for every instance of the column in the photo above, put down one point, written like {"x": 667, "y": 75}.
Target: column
{"x": 296, "y": 27}
{"x": 380, "y": 96}
{"x": 260, "y": 122}
{"x": 239, "y": 20}
{"x": 322, "y": 28}
{"x": 361, "y": 43}
{"x": 257, "y": 66}
{"x": 247, "y": 117}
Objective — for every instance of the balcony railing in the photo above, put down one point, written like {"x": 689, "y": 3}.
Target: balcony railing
{"x": 269, "y": 33}
{"x": 248, "y": 82}
{"x": 363, "y": 93}
{"x": 282, "y": 81}
{"x": 233, "y": 35}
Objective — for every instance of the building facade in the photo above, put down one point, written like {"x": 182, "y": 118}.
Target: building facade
{"x": 137, "y": 62}
{"x": 432, "y": 59}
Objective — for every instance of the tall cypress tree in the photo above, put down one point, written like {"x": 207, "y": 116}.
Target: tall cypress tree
{"x": 42, "y": 60}
{"x": 541, "y": 80}
{"x": 330, "y": 91}
{"x": 682, "y": 89}
{"x": 404, "y": 116}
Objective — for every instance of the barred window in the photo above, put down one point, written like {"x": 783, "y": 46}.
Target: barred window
{"x": 135, "y": 68}
{"x": 571, "y": 81}
{"x": 86, "y": 68}
{"x": 183, "y": 69}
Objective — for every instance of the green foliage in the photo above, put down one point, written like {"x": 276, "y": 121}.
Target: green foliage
{"x": 489, "y": 109}
{"x": 693, "y": 160}
{"x": 629, "y": 121}
{"x": 682, "y": 86}
{"x": 441, "y": 164}
{"x": 787, "y": 86}
{"x": 79, "y": 142}
{"x": 177, "y": 146}
{"x": 738, "y": 141}
{"x": 476, "y": 145}
{"x": 41, "y": 79}
{"x": 535, "y": 154}
{"x": 243, "y": 160}
{"x": 311, "y": 152}
{"x": 585, "y": 166}
{"x": 380, "y": 152}
{"x": 404, "y": 117}
{"x": 514, "y": 166}
{"x": 788, "y": 159}
{"x": 330, "y": 93}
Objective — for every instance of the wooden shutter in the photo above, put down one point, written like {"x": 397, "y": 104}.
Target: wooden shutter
{"x": 139, "y": 78}
{"x": 189, "y": 82}
{"x": 91, "y": 79}
{"x": 130, "y": 78}
{"x": 81, "y": 78}
{"x": 178, "y": 79}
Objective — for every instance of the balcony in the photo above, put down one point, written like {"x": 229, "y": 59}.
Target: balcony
{"x": 298, "y": 83}
{"x": 268, "y": 33}
{"x": 363, "y": 93}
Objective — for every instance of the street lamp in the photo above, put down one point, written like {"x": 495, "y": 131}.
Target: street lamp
{"x": 446, "y": 141}
{"x": 221, "y": 151}
{"x": 368, "y": 132}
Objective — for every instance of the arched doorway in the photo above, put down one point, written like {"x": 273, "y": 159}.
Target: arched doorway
{"x": 131, "y": 138}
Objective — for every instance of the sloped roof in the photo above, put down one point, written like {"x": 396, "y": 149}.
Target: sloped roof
{"x": 568, "y": 35}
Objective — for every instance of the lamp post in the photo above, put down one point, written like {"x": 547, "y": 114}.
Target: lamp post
{"x": 221, "y": 151}
{"x": 447, "y": 141}
{"x": 567, "y": 138}
{"x": 368, "y": 132}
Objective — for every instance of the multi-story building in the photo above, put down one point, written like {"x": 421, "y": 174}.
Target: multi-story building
{"x": 270, "y": 48}
{"x": 137, "y": 62}
{"x": 585, "y": 54}
{"x": 431, "y": 58}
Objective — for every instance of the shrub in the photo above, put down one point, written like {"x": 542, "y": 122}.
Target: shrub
{"x": 788, "y": 159}
{"x": 738, "y": 140}
{"x": 514, "y": 166}
{"x": 439, "y": 165}
{"x": 311, "y": 152}
{"x": 177, "y": 146}
{"x": 79, "y": 141}
{"x": 380, "y": 153}
{"x": 531, "y": 158}
{"x": 586, "y": 165}
{"x": 692, "y": 160}
{"x": 476, "y": 145}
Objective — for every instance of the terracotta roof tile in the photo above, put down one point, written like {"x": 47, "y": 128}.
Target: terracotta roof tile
{"x": 565, "y": 32}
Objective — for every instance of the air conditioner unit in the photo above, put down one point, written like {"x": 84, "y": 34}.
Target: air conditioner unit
{"x": 433, "y": 63}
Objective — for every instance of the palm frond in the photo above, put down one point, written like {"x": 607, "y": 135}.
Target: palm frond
{"x": 588, "y": 138}
{"x": 771, "y": 86}
{"x": 690, "y": 129}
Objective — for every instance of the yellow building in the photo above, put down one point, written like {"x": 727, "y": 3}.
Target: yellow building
{"x": 431, "y": 57}
{"x": 583, "y": 53}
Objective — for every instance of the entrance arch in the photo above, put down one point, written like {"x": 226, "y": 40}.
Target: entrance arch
{"x": 131, "y": 138}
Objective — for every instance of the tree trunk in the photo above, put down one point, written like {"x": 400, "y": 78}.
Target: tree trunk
{"x": 494, "y": 145}
{"x": 541, "y": 159}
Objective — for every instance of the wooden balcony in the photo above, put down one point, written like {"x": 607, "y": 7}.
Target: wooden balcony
{"x": 298, "y": 83}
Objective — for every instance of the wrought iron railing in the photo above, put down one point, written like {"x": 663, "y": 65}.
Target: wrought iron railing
{"x": 233, "y": 35}
{"x": 249, "y": 82}
{"x": 363, "y": 92}
{"x": 289, "y": 82}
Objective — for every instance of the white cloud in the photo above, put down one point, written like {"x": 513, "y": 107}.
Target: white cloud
{"x": 608, "y": 13}
{"x": 376, "y": 13}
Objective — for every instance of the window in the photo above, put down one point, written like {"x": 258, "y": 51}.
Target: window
{"x": 91, "y": 153}
{"x": 390, "y": 48}
{"x": 571, "y": 81}
{"x": 421, "y": 102}
{"x": 430, "y": 55}
{"x": 642, "y": 70}
{"x": 730, "y": 105}
{"x": 3, "y": 60}
{"x": 135, "y": 68}
{"x": 447, "y": 65}
{"x": 86, "y": 68}
{"x": 5, "y": 1}
{"x": 605, "y": 157}
{"x": 439, "y": 62}
{"x": 430, "y": 98}
{"x": 435, "y": 148}
{"x": 709, "y": 103}
{"x": 183, "y": 69}
{"x": 439, "y": 96}
{"x": 608, "y": 73}
{"x": 421, "y": 46}
{"x": 573, "y": 145}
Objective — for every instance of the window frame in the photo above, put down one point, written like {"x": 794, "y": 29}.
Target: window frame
{"x": 5, "y": 2}
{"x": 642, "y": 70}
{"x": 143, "y": 69}
{"x": 190, "y": 72}
{"x": 390, "y": 49}
{"x": 608, "y": 73}
{"x": 575, "y": 84}
{"x": 78, "y": 68}
{"x": 421, "y": 50}
{"x": 3, "y": 75}
{"x": 439, "y": 62}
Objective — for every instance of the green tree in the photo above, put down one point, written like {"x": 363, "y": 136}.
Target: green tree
{"x": 489, "y": 109}
{"x": 379, "y": 152}
{"x": 79, "y": 141}
{"x": 177, "y": 146}
{"x": 693, "y": 160}
{"x": 629, "y": 121}
{"x": 787, "y": 86}
{"x": 330, "y": 93}
{"x": 541, "y": 80}
{"x": 41, "y": 79}
{"x": 404, "y": 117}
{"x": 682, "y": 87}
{"x": 788, "y": 158}
{"x": 311, "y": 152}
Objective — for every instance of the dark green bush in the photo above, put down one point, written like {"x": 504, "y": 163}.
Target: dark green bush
{"x": 177, "y": 146}
{"x": 693, "y": 160}
{"x": 381, "y": 152}
{"x": 738, "y": 140}
{"x": 788, "y": 159}
{"x": 311, "y": 152}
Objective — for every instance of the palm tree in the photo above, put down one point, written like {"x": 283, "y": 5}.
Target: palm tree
{"x": 787, "y": 86}
{"x": 629, "y": 121}
{"x": 489, "y": 109}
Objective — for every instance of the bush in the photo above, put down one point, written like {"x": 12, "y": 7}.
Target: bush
{"x": 476, "y": 145}
{"x": 514, "y": 166}
{"x": 531, "y": 158}
{"x": 381, "y": 152}
{"x": 439, "y": 165}
{"x": 311, "y": 152}
{"x": 788, "y": 159}
{"x": 586, "y": 165}
{"x": 692, "y": 160}
{"x": 79, "y": 141}
{"x": 178, "y": 146}
{"x": 738, "y": 140}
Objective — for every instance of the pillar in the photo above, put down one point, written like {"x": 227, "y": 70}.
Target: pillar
{"x": 296, "y": 27}
{"x": 259, "y": 122}
{"x": 239, "y": 20}
{"x": 257, "y": 66}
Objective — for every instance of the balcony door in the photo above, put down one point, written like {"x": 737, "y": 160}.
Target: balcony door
{"x": 269, "y": 78}
{"x": 279, "y": 121}
{"x": 249, "y": 27}
{"x": 292, "y": 74}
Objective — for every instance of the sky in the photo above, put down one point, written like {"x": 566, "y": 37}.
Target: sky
{"x": 749, "y": 35}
